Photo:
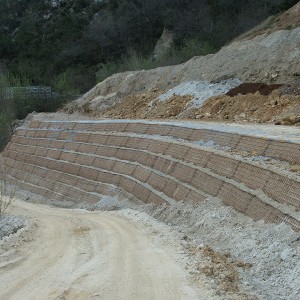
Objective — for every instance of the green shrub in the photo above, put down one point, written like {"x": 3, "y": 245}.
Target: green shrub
{"x": 130, "y": 62}
{"x": 194, "y": 47}
{"x": 135, "y": 61}
{"x": 6, "y": 119}
{"x": 68, "y": 82}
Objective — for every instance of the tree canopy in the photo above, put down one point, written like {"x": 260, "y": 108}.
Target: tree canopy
{"x": 43, "y": 40}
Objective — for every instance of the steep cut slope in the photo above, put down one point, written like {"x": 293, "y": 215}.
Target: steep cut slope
{"x": 265, "y": 58}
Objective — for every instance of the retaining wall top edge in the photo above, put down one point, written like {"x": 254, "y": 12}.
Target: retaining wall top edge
{"x": 194, "y": 145}
{"x": 272, "y": 132}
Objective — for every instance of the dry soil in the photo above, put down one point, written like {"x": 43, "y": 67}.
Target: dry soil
{"x": 76, "y": 254}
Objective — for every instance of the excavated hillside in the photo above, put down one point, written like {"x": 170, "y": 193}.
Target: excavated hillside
{"x": 268, "y": 56}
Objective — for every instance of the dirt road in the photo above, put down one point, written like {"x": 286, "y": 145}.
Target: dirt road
{"x": 89, "y": 255}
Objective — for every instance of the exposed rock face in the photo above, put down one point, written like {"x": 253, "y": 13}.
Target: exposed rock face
{"x": 164, "y": 44}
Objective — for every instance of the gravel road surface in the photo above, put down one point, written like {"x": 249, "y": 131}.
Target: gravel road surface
{"x": 76, "y": 254}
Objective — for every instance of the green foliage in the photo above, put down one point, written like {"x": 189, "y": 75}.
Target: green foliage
{"x": 16, "y": 105}
{"x": 194, "y": 47}
{"x": 61, "y": 44}
{"x": 62, "y": 82}
{"x": 17, "y": 101}
{"x": 6, "y": 118}
{"x": 130, "y": 62}
{"x": 134, "y": 61}
{"x": 7, "y": 111}
{"x": 74, "y": 79}
{"x": 16, "y": 80}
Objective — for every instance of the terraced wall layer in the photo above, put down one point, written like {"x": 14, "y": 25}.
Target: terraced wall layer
{"x": 74, "y": 162}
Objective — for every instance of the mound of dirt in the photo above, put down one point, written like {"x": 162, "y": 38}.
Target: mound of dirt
{"x": 169, "y": 108}
{"x": 148, "y": 106}
{"x": 161, "y": 104}
{"x": 133, "y": 106}
{"x": 251, "y": 88}
{"x": 257, "y": 108}
{"x": 253, "y": 103}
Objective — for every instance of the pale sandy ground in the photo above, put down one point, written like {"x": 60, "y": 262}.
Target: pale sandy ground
{"x": 76, "y": 254}
{"x": 146, "y": 252}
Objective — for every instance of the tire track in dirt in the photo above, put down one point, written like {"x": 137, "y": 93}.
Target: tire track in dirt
{"x": 90, "y": 255}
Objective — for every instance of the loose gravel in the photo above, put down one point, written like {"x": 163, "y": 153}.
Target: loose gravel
{"x": 265, "y": 256}
{"x": 200, "y": 90}
{"x": 10, "y": 224}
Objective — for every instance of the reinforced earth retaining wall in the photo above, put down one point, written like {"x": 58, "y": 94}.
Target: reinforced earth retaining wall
{"x": 159, "y": 163}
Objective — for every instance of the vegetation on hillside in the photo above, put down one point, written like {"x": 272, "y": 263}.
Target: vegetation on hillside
{"x": 17, "y": 100}
{"x": 65, "y": 43}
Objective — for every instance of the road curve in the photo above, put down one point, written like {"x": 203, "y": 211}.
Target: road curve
{"x": 89, "y": 255}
